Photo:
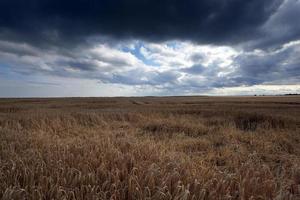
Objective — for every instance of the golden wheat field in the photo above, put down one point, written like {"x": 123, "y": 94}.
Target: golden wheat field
{"x": 150, "y": 148}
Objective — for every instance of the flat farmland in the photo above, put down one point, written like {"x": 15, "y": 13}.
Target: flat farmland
{"x": 150, "y": 148}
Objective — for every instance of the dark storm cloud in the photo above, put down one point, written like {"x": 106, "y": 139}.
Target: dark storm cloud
{"x": 59, "y": 22}
{"x": 122, "y": 42}
{"x": 139, "y": 77}
{"x": 282, "y": 65}
{"x": 197, "y": 57}
{"x": 80, "y": 65}
{"x": 282, "y": 27}
{"x": 195, "y": 69}
{"x": 17, "y": 49}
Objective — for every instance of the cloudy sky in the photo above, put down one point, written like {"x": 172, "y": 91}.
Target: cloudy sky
{"x": 149, "y": 47}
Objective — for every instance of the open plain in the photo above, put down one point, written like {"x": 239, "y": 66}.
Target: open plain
{"x": 150, "y": 148}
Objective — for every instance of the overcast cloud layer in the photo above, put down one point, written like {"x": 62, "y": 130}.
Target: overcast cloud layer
{"x": 140, "y": 47}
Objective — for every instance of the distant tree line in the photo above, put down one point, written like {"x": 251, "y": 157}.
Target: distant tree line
{"x": 289, "y": 94}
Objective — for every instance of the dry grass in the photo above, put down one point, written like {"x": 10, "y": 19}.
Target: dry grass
{"x": 150, "y": 148}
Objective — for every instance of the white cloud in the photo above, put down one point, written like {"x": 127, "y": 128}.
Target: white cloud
{"x": 174, "y": 68}
{"x": 184, "y": 54}
{"x": 256, "y": 90}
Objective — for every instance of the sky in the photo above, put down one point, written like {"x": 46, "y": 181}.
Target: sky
{"x": 70, "y": 48}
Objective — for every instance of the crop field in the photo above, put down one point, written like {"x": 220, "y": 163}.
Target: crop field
{"x": 150, "y": 148}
